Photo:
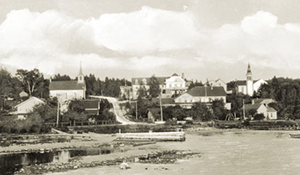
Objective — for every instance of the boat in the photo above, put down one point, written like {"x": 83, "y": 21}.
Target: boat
{"x": 295, "y": 135}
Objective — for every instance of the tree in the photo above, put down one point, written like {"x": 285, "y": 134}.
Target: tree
{"x": 30, "y": 79}
{"x": 201, "y": 112}
{"x": 259, "y": 117}
{"x": 154, "y": 89}
{"x": 219, "y": 110}
{"x": 58, "y": 77}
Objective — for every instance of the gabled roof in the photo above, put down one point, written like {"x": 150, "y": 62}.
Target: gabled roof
{"x": 270, "y": 109}
{"x": 30, "y": 99}
{"x": 244, "y": 82}
{"x": 252, "y": 106}
{"x": 66, "y": 85}
{"x": 175, "y": 75}
{"x": 203, "y": 91}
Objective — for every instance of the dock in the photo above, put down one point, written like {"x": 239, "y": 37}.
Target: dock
{"x": 153, "y": 136}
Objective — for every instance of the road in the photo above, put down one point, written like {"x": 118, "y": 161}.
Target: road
{"x": 117, "y": 109}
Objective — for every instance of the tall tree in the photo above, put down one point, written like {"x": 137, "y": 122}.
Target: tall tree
{"x": 58, "y": 77}
{"x": 30, "y": 79}
{"x": 154, "y": 89}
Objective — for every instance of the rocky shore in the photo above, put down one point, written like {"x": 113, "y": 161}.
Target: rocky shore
{"x": 158, "y": 157}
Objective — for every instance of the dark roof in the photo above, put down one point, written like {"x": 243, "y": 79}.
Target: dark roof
{"x": 91, "y": 103}
{"x": 66, "y": 85}
{"x": 207, "y": 91}
{"x": 175, "y": 75}
{"x": 161, "y": 80}
{"x": 163, "y": 101}
{"x": 243, "y": 82}
{"x": 240, "y": 82}
{"x": 252, "y": 106}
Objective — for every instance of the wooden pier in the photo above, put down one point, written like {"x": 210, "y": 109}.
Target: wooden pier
{"x": 153, "y": 136}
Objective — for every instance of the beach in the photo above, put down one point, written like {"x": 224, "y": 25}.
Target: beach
{"x": 220, "y": 152}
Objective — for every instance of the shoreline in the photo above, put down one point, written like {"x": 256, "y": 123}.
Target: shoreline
{"x": 98, "y": 140}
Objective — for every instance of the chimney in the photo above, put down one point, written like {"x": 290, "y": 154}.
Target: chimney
{"x": 182, "y": 75}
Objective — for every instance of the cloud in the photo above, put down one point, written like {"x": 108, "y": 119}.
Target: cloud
{"x": 146, "y": 31}
{"x": 145, "y": 40}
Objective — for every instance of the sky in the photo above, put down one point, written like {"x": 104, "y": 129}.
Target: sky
{"x": 202, "y": 39}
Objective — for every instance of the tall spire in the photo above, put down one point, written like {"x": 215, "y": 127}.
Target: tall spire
{"x": 80, "y": 75}
{"x": 80, "y": 70}
{"x": 249, "y": 69}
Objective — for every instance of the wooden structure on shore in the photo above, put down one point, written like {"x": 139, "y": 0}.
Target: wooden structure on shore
{"x": 154, "y": 136}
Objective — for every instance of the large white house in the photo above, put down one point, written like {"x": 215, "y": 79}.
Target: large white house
{"x": 68, "y": 90}
{"x": 249, "y": 86}
{"x": 174, "y": 84}
{"x": 204, "y": 94}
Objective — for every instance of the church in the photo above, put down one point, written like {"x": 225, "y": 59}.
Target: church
{"x": 249, "y": 86}
{"x": 69, "y": 90}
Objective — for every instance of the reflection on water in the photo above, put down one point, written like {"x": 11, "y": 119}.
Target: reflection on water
{"x": 9, "y": 163}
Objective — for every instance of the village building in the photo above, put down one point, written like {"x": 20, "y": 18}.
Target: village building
{"x": 68, "y": 90}
{"x": 261, "y": 106}
{"x": 27, "y": 106}
{"x": 249, "y": 86}
{"x": 170, "y": 86}
{"x": 203, "y": 94}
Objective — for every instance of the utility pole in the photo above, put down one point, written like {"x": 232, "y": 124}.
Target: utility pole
{"x": 243, "y": 109}
{"x": 136, "y": 114}
{"x": 57, "y": 116}
{"x": 161, "y": 111}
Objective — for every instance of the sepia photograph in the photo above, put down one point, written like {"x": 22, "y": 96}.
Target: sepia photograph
{"x": 143, "y": 87}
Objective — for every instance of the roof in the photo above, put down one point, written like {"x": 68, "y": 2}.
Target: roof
{"x": 270, "y": 109}
{"x": 30, "y": 99}
{"x": 207, "y": 91}
{"x": 240, "y": 82}
{"x": 91, "y": 103}
{"x": 66, "y": 85}
{"x": 161, "y": 80}
{"x": 175, "y": 75}
{"x": 244, "y": 82}
{"x": 252, "y": 106}
{"x": 163, "y": 101}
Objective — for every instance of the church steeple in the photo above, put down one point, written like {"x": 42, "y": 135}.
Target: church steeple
{"x": 80, "y": 75}
{"x": 249, "y": 74}
{"x": 249, "y": 81}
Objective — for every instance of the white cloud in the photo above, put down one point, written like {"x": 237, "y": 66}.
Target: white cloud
{"x": 259, "y": 23}
{"x": 147, "y": 30}
{"x": 139, "y": 40}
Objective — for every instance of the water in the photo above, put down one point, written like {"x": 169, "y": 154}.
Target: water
{"x": 9, "y": 163}
{"x": 223, "y": 153}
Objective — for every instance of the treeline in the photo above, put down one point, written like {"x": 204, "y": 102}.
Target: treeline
{"x": 286, "y": 93}
{"x": 34, "y": 84}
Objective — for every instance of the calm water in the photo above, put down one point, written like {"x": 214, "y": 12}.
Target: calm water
{"x": 228, "y": 153}
{"x": 10, "y": 163}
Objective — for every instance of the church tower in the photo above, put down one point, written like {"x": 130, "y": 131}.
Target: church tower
{"x": 80, "y": 76}
{"x": 249, "y": 81}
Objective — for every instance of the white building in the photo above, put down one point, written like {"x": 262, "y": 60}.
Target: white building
{"x": 27, "y": 106}
{"x": 249, "y": 86}
{"x": 204, "y": 94}
{"x": 68, "y": 90}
